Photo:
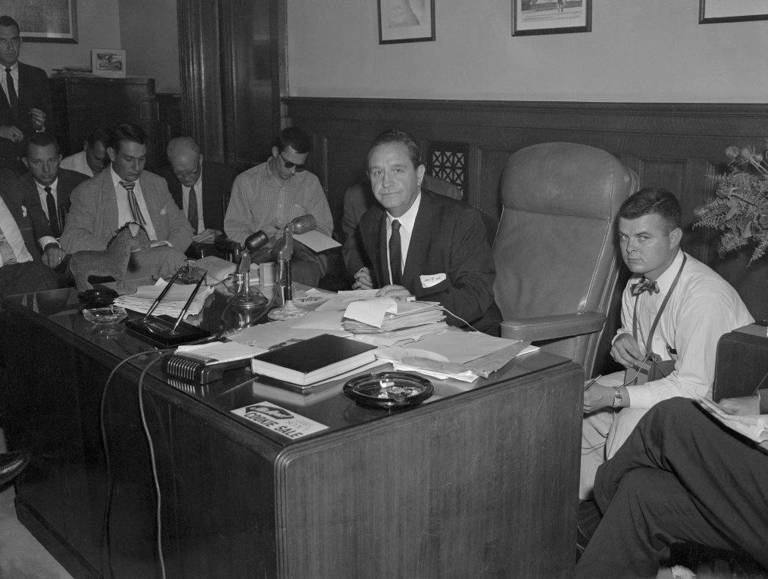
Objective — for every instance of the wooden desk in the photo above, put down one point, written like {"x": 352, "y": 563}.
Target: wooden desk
{"x": 480, "y": 483}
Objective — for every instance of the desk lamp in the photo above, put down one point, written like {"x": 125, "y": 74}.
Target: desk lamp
{"x": 288, "y": 310}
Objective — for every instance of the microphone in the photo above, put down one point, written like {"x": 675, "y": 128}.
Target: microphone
{"x": 303, "y": 223}
{"x": 255, "y": 241}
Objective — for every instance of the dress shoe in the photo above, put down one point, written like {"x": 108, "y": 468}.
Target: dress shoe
{"x": 11, "y": 464}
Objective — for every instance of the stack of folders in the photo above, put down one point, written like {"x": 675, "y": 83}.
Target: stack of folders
{"x": 204, "y": 363}
{"x": 314, "y": 360}
{"x": 368, "y": 317}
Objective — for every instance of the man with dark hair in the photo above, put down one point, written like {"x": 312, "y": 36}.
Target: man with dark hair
{"x": 126, "y": 193}
{"x": 25, "y": 103}
{"x": 674, "y": 310}
{"x": 197, "y": 186}
{"x": 268, "y": 196}
{"x": 422, "y": 244}
{"x": 93, "y": 158}
{"x": 681, "y": 477}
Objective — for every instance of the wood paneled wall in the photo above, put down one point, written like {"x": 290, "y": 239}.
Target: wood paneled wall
{"x": 675, "y": 146}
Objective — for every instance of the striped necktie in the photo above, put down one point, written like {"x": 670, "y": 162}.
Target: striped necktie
{"x": 132, "y": 202}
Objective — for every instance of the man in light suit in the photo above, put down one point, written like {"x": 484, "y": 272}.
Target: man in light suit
{"x": 47, "y": 181}
{"x": 125, "y": 193}
{"x": 210, "y": 181}
{"x": 25, "y": 102}
{"x": 443, "y": 248}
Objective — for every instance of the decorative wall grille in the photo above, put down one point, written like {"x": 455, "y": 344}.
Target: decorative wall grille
{"x": 448, "y": 161}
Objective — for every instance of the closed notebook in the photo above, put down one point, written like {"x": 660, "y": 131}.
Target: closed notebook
{"x": 314, "y": 360}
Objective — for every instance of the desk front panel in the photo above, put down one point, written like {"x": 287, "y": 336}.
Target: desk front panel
{"x": 477, "y": 483}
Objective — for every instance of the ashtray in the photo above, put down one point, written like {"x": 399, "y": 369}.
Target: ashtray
{"x": 105, "y": 316}
{"x": 309, "y": 302}
{"x": 389, "y": 390}
{"x": 97, "y": 297}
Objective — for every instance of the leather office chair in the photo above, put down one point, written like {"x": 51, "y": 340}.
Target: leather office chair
{"x": 555, "y": 249}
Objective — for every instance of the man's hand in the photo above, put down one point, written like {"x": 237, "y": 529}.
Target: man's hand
{"x": 38, "y": 119}
{"x": 396, "y": 292}
{"x": 626, "y": 351}
{"x": 53, "y": 255}
{"x": 597, "y": 397}
{"x": 11, "y": 133}
{"x": 363, "y": 279}
{"x": 742, "y": 406}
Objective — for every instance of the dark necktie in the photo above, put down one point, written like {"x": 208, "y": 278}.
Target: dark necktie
{"x": 132, "y": 202}
{"x": 395, "y": 255}
{"x": 13, "y": 97}
{"x": 192, "y": 208}
{"x": 53, "y": 214}
{"x": 645, "y": 285}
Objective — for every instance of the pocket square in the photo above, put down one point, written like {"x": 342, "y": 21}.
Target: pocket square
{"x": 163, "y": 211}
{"x": 431, "y": 280}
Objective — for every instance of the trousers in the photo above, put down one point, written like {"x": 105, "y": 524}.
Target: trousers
{"x": 681, "y": 476}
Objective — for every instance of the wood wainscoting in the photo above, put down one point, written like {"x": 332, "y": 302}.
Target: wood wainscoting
{"x": 676, "y": 146}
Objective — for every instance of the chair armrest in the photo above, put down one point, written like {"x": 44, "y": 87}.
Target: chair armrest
{"x": 552, "y": 327}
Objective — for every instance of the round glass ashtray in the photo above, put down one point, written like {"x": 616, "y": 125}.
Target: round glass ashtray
{"x": 105, "y": 316}
{"x": 389, "y": 390}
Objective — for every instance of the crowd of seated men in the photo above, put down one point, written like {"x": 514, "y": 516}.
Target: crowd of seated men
{"x": 655, "y": 470}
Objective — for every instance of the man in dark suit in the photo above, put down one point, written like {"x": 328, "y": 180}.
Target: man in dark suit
{"x": 423, "y": 244}
{"x": 46, "y": 180}
{"x": 23, "y": 230}
{"x": 210, "y": 182}
{"x": 125, "y": 193}
{"x": 25, "y": 103}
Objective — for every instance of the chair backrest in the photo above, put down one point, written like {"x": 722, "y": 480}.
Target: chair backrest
{"x": 555, "y": 249}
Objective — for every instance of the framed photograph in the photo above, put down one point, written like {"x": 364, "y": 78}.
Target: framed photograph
{"x": 43, "y": 20}
{"x": 406, "y": 21}
{"x": 732, "y": 10}
{"x": 551, "y": 16}
{"x": 108, "y": 62}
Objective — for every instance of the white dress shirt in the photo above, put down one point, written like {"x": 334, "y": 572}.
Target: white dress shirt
{"x": 78, "y": 163}
{"x": 14, "y": 75}
{"x": 10, "y": 230}
{"x": 407, "y": 221}
{"x": 124, "y": 213}
{"x": 702, "y": 308}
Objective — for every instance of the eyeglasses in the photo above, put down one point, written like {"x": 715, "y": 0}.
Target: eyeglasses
{"x": 291, "y": 165}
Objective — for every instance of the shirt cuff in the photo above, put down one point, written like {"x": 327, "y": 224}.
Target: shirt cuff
{"x": 46, "y": 240}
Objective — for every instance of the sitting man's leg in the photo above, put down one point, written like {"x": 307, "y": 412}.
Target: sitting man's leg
{"x": 677, "y": 460}
{"x": 26, "y": 277}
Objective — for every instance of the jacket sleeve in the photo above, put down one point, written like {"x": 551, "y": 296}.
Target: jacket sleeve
{"x": 79, "y": 231}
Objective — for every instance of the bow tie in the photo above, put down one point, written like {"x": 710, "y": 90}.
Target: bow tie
{"x": 645, "y": 285}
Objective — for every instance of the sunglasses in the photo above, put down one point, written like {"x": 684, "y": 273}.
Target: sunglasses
{"x": 291, "y": 165}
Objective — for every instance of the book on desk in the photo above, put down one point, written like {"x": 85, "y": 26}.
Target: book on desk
{"x": 313, "y": 360}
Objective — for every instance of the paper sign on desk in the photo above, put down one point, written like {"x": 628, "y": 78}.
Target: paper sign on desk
{"x": 316, "y": 240}
{"x": 279, "y": 420}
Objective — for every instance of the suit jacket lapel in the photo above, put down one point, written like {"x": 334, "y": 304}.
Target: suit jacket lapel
{"x": 419, "y": 245}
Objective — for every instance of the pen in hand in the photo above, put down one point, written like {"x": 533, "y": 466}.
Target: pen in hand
{"x": 592, "y": 382}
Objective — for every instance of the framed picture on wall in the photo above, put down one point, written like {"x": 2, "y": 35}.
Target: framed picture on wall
{"x": 406, "y": 21}
{"x": 551, "y": 16}
{"x": 108, "y": 62}
{"x": 732, "y": 10}
{"x": 43, "y": 20}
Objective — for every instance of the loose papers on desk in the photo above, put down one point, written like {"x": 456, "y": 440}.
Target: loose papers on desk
{"x": 172, "y": 303}
{"x": 386, "y": 314}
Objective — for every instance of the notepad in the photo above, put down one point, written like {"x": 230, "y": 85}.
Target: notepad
{"x": 314, "y": 360}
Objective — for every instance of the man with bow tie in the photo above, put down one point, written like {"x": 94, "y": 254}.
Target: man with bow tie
{"x": 674, "y": 310}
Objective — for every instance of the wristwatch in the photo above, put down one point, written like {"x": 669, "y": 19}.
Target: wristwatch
{"x": 618, "y": 399}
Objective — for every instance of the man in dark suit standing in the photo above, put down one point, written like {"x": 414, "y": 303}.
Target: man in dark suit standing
{"x": 25, "y": 103}
{"x": 423, "y": 244}
{"x": 197, "y": 187}
{"x": 46, "y": 180}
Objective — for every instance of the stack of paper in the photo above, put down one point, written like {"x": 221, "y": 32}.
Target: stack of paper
{"x": 387, "y": 315}
{"x": 172, "y": 303}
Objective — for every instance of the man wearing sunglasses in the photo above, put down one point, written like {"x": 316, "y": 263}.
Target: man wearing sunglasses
{"x": 268, "y": 196}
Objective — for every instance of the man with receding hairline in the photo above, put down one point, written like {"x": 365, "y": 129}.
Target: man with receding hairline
{"x": 197, "y": 186}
